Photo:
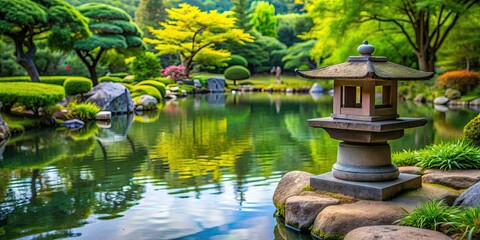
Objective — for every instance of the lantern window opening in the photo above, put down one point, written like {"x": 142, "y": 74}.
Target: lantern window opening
{"x": 383, "y": 96}
{"x": 351, "y": 96}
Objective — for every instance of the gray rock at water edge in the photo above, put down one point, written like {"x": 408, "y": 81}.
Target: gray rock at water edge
{"x": 148, "y": 102}
{"x": 215, "y": 84}
{"x": 441, "y": 100}
{"x": 113, "y": 97}
{"x": 316, "y": 88}
{"x": 338, "y": 220}
{"x": 301, "y": 211}
{"x": 74, "y": 124}
{"x": 103, "y": 116}
{"x": 393, "y": 232}
{"x": 469, "y": 198}
{"x": 458, "y": 179}
{"x": 197, "y": 83}
{"x": 291, "y": 184}
{"x": 4, "y": 130}
{"x": 474, "y": 103}
{"x": 455, "y": 104}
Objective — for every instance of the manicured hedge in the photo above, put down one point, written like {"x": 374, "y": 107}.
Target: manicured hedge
{"x": 29, "y": 94}
{"x": 145, "y": 89}
{"x": 15, "y": 79}
{"x": 119, "y": 74}
{"x": 164, "y": 80}
{"x": 236, "y": 72}
{"x": 110, "y": 79}
{"x": 158, "y": 85}
{"x": 56, "y": 80}
{"x": 77, "y": 85}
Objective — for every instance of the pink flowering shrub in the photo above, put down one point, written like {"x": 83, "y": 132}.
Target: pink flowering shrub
{"x": 174, "y": 72}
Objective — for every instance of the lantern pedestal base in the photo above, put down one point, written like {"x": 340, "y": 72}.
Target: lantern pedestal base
{"x": 378, "y": 191}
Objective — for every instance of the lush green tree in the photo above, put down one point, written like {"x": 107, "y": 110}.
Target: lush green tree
{"x": 112, "y": 28}
{"x": 242, "y": 14}
{"x": 128, "y": 5}
{"x": 150, "y": 13}
{"x": 145, "y": 66}
{"x": 263, "y": 18}
{"x": 25, "y": 20}
{"x": 192, "y": 34}
{"x": 289, "y": 26}
{"x": 425, "y": 24}
{"x": 204, "y": 5}
{"x": 298, "y": 55}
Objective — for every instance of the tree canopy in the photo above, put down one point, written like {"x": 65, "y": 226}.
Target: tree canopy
{"x": 263, "y": 18}
{"x": 112, "y": 28}
{"x": 193, "y": 34}
{"x": 26, "y": 20}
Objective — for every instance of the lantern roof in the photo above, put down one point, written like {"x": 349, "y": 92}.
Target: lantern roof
{"x": 366, "y": 66}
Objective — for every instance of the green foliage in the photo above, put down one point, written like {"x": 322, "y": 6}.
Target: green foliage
{"x": 201, "y": 79}
{"x": 145, "y": 66}
{"x": 165, "y": 80}
{"x": 454, "y": 155}
{"x": 8, "y": 64}
{"x": 298, "y": 55}
{"x": 405, "y": 158}
{"x": 119, "y": 74}
{"x": 56, "y": 80}
{"x": 290, "y": 26}
{"x": 430, "y": 215}
{"x": 241, "y": 13}
{"x": 237, "y": 60}
{"x": 466, "y": 224}
{"x": 472, "y": 130}
{"x": 158, "y": 85}
{"x": 150, "y": 13}
{"x": 263, "y": 18}
{"x": 110, "y": 79}
{"x": 15, "y": 79}
{"x": 30, "y": 95}
{"x": 236, "y": 73}
{"x": 146, "y": 89}
{"x": 77, "y": 85}
{"x": 82, "y": 111}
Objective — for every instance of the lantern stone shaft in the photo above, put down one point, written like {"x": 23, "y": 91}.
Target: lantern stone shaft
{"x": 365, "y": 117}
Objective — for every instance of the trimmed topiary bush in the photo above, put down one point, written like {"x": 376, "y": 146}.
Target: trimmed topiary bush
{"x": 30, "y": 95}
{"x": 462, "y": 80}
{"x": 145, "y": 66}
{"x": 56, "y": 80}
{"x": 110, "y": 79}
{"x": 158, "y": 85}
{"x": 146, "y": 89}
{"x": 15, "y": 79}
{"x": 237, "y": 60}
{"x": 120, "y": 74}
{"x": 77, "y": 85}
{"x": 165, "y": 80}
{"x": 236, "y": 73}
{"x": 472, "y": 130}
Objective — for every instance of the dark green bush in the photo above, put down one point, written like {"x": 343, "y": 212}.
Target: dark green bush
{"x": 237, "y": 60}
{"x": 472, "y": 130}
{"x": 145, "y": 66}
{"x": 145, "y": 89}
{"x": 30, "y": 95}
{"x": 110, "y": 79}
{"x": 77, "y": 85}
{"x": 158, "y": 85}
{"x": 120, "y": 74}
{"x": 236, "y": 73}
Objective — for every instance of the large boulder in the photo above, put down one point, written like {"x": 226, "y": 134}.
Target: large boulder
{"x": 336, "y": 221}
{"x": 4, "y": 130}
{"x": 146, "y": 102}
{"x": 301, "y": 211}
{"x": 215, "y": 84}
{"x": 393, "y": 232}
{"x": 110, "y": 96}
{"x": 469, "y": 198}
{"x": 458, "y": 179}
{"x": 291, "y": 184}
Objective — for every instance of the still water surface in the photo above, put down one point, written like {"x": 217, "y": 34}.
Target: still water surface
{"x": 204, "y": 167}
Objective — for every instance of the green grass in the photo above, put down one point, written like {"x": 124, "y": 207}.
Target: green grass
{"x": 429, "y": 216}
{"x": 467, "y": 224}
{"x": 404, "y": 158}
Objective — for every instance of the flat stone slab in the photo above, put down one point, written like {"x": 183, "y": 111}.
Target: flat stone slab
{"x": 458, "y": 179}
{"x": 411, "y": 170}
{"x": 380, "y": 126}
{"x": 378, "y": 191}
{"x": 428, "y": 192}
{"x": 393, "y": 232}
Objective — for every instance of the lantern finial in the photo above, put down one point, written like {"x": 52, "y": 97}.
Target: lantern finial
{"x": 365, "y": 49}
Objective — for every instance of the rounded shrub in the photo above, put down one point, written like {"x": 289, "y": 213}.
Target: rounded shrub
{"x": 462, "y": 80}
{"x": 77, "y": 85}
{"x": 15, "y": 79}
{"x": 237, "y": 60}
{"x": 158, "y": 85}
{"x": 30, "y": 95}
{"x": 145, "y": 66}
{"x": 472, "y": 130}
{"x": 165, "y": 80}
{"x": 236, "y": 73}
{"x": 119, "y": 74}
{"x": 146, "y": 89}
{"x": 110, "y": 79}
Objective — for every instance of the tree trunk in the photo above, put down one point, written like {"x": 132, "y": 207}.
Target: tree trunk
{"x": 92, "y": 64}
{"x": 26, "y": 59}
{"x": 426, "y": 60}
{"x": 93, "y": 74}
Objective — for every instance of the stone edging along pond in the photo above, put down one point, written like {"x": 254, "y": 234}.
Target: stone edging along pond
{"x": 333, "y": 216}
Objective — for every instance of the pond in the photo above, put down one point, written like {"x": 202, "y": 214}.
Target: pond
{"x": 203, "y": 167}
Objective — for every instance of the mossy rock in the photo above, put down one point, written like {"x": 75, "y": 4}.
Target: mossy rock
{"x": 472, "y": 130}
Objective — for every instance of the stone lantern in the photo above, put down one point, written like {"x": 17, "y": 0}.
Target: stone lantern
{"x": 365, "y": 117}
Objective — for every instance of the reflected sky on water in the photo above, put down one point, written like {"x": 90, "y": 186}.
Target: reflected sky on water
{"x": 203, "y": 167}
